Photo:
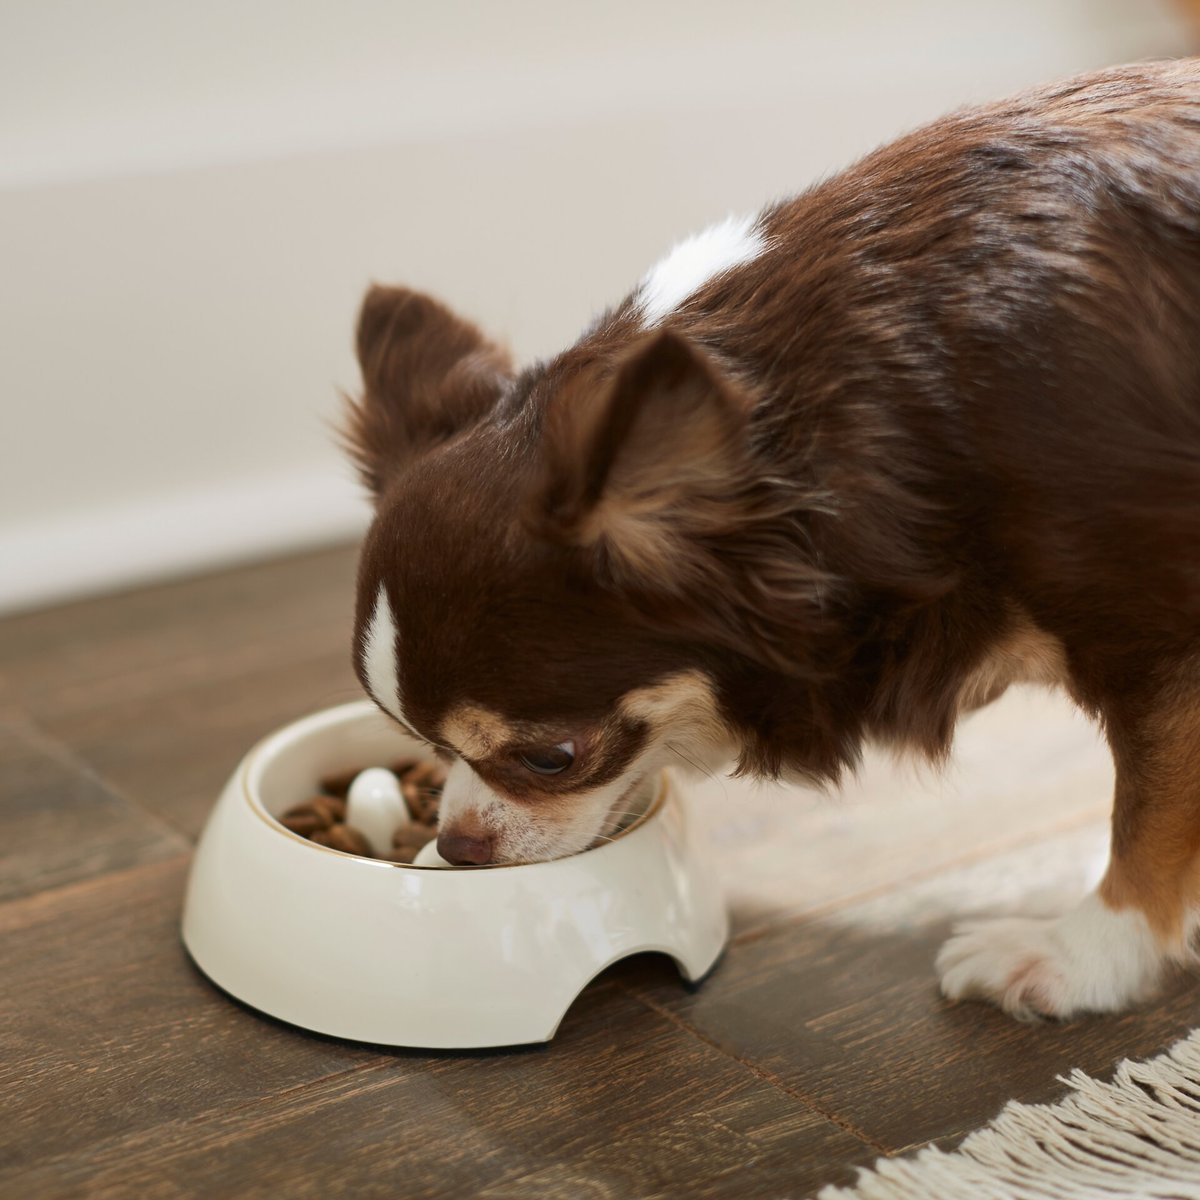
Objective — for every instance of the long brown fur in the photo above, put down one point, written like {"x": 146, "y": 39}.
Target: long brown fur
{"x": 952, "y": 407}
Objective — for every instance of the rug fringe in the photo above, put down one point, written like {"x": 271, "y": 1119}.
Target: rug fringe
{"x": 1136, "y": 1136}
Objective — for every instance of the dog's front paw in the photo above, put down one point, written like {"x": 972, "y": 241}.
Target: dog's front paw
{"x": 1091, "y": 960}
{"x": 1013, "y": 962}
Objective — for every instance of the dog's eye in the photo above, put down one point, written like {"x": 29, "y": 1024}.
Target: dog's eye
{"x": 551, "y": 760}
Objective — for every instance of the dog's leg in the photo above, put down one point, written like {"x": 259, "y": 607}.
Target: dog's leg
{"x": 1109, "y": 951}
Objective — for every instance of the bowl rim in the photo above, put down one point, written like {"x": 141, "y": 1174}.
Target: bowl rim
{"x": 252, "y": 762}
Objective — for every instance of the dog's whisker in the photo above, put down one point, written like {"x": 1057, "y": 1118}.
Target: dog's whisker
{"x": 704, "y": 770}
{"x": 688, "y": 759}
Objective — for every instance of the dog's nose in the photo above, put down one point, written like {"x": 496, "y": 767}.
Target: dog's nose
{"x": 465, "y": 851}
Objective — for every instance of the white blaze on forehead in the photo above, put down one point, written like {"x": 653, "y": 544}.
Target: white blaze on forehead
{"x": 379, "y": 658}
{"x": 694, "y": 262}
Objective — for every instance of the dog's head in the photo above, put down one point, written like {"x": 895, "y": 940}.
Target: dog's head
{"x": 548, "y": 592}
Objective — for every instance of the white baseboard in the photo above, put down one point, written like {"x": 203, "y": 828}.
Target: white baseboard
{"x": 51, "y": 560}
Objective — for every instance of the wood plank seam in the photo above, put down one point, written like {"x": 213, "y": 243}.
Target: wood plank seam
{"x": 759, "y": 1072}
{"x": 68, "y": 757}
{"x": 52, "y": 895}
{"x": 380, "y": 1063}
{"x": 182, "y": 1132}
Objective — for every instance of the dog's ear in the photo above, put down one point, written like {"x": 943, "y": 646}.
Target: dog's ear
{"x": 427, "y": 375}
{"x": 640, "y": 462}
{"x": 651, "y": 471}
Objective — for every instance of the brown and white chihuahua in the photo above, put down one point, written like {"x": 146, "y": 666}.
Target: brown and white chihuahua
{"x": 838, "y": 471}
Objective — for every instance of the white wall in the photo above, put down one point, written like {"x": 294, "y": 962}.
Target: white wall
{"x": 193, "y": 197}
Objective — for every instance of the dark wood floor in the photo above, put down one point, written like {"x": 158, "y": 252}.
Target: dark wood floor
{"x": 819, "y": 1043}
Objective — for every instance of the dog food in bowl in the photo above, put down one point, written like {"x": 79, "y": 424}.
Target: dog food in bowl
{"x": 357, "y": 947}
{"x": 396, "y": 822}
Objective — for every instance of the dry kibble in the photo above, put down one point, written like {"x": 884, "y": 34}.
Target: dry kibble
{"x": 348, "y": 839}
{"x": 422, "y": 786}
{"x": 422, "y": 805}
{"x": 330, "y": 808}
{"x": 302, "y": 820}
{"x": 316, "y": 813}
{"x": 322, "y": 819}
{"x": 338, "y": 785}
{"x": 427, "y": 775}
{"x": 414, "y": 834}
{"x": 412, "y": 797}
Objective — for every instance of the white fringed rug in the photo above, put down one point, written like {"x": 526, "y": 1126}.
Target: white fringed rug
{"x": 1136, "y": 1137}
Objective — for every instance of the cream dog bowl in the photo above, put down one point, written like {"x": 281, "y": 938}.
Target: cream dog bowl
{"x": 417, "y": 956}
